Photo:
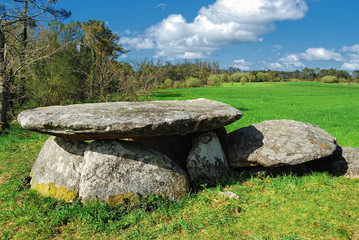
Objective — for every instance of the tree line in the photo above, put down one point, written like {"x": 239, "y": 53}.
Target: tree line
{"x": 44, "y": 61}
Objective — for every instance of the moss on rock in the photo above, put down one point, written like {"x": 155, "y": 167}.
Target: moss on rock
{"x": 50, "y": 190}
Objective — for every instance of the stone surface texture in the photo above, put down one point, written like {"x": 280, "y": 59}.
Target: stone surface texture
{"x": 206, "y": 161}
{"x": 278, "y": 143}
{"x": 351, "y": 156}
{"x": 129, "y": 119}
{"x": 116, "y": 168}
{"x": 57, "y": 169}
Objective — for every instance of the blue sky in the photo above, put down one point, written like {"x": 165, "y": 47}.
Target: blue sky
{"x": 249, "y": 34}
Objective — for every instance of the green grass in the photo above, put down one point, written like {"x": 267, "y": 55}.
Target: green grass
{"x": 333, "y": 107}
{"x": 315, "y": 206}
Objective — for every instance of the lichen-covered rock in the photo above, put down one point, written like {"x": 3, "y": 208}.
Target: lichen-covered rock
{"x": 116, "y": 168}
{"x": 175, "y": 147}
{"x": 129, "y": 119}
{"x": 57, "y": 170}
{"x": 351, "y": 156}
{"x": 278, "y": 143}
{"x": 206, "y": 161}
{"x": 344, "y": 162}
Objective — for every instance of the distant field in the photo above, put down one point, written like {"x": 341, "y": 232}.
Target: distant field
{"x": 333, "y": 107}
{"x": 288, "y": 207}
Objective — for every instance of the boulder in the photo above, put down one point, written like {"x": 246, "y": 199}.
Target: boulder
{"x": 277, "y": 143}
{"x": 206, "y": 161}
{"x": 351, "y": 156}
{"x": 129, "y": 119}
{"x": 344, "y": 161}
{"x": 115, "y": 168}
{"x": 57, "y": 169}
{"x": 175, "y": 147}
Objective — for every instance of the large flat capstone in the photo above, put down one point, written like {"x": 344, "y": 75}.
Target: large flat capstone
{"x": 129, "y": 119}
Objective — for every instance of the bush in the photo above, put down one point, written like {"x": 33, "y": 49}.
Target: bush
{"x": 168, "y": 83}
{"x": 177, "y": 84}
{"x": 212, "y": 80}
{"x": 236, "y": 77}
{"x": 223, "y": 77}
{"x": 243, "y": 80}
{"x": 193, "y": 82}
{"x": 262, "y": 77}
{"x": 329, "y": 79}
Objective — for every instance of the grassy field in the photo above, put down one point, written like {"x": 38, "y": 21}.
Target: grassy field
{"x": 315, "y": 206}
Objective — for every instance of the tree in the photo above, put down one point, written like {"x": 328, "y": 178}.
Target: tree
{"x": 104, "y": 47}
{"x": 15, "y": 18}
{"x": 356, "y": 74}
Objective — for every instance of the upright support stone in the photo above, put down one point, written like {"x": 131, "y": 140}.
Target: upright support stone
{"x": 206, "y": 162}
{"x": 115, "y": 169}
{"x": 57, "y": 170}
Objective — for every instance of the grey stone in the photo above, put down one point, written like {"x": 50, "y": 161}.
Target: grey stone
{"x": 206, "y": 161}
{"x": 344, "y": 162}
{"x": 118, "y": 168}
{"x": 351, "y": 156}
{"x": 278, "y": 143}
{"x": 57, "y": 169}
{"x": 230, "y": 194}
{"x": 129, "y": 119}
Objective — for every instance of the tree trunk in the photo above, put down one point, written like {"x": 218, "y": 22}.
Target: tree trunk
{"x": 3, "y": 83}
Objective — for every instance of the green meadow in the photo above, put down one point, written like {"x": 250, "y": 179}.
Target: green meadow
{"x": 314, "y": 206}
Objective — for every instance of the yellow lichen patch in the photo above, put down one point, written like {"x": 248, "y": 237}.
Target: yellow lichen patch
{"x": 120, "y": 199}
{"x": 50, "y": 190}
{"x": 325, "y": 147}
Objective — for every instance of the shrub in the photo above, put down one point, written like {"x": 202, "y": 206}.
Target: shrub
{"x": 343, "y": 80}
{"x": 243, "y": 80}
{"x": 193, "y": 82}
{"x": 212, "y": 80}
{"x": 223, "y": 77}
{"x": 262, "y": 77}
{"x": 236, "y": 77}
{"x": 168, "y": 83}
{"x": 329, "y": 79}
{"x": 177, "y": 84}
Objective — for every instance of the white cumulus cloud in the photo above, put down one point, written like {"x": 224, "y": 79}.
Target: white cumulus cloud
{"x": 224, "y": 23}
{"x": 290, "y": 62}
{"x": 353, "y": 54}
{"x": 242, "y": 64}
{"x": 293, "y": 60}
{"x": 321, "y": 54}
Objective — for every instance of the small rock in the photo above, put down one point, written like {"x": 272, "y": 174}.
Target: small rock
{"x": 114, "y": 169}
{"x": 230, "y": 195}
{"x": 206, "y": 161}
{"x": 57, "y": 169}
{"x": 278, "y": 143}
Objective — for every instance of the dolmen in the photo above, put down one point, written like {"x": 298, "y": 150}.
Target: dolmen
{"x": 131, "y": 147}
{"x": 123, "y": 150}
